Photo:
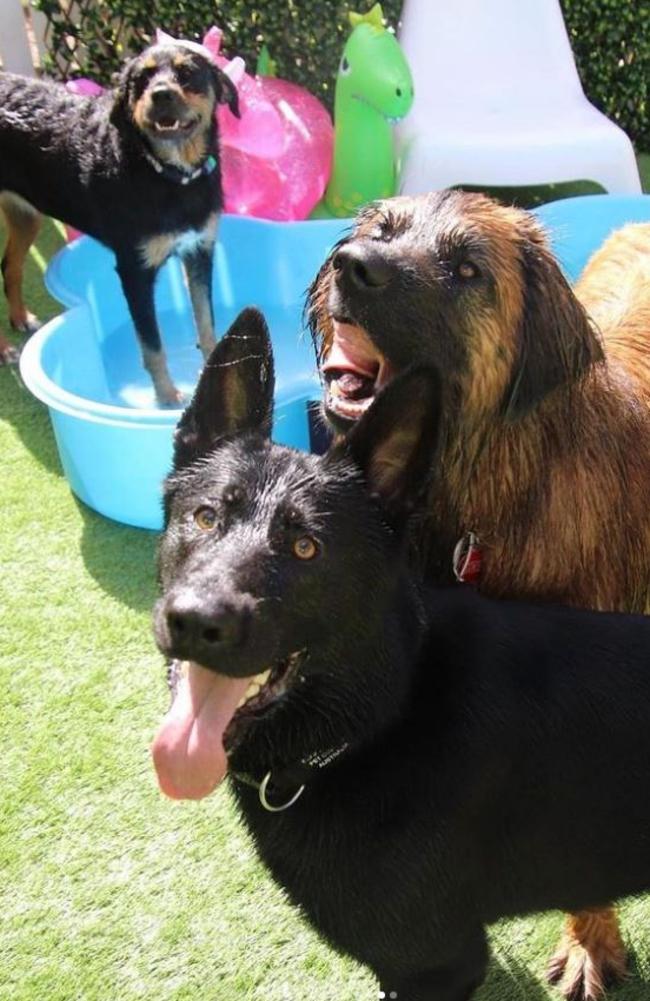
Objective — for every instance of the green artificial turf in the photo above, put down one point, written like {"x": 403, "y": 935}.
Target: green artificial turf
{"x": 108, "y": 891}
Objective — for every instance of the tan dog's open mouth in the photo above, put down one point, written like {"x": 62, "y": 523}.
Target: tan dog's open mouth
{"x": 354, "y": 370}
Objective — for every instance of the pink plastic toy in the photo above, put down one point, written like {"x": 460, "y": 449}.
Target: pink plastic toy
{"x": 276, "y": 158}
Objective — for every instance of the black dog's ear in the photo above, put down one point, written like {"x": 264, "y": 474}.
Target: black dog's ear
{"x": 557, "y": 343}
{"x": 225, "y": 90}
{"x": 234, "y": 392}
{"x": 396, "y": 440}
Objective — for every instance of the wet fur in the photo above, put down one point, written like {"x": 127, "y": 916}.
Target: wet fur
{"x": 546, "y": 428}
{"x": 545, "y": 449}
{"x": 83, "y": 160}
{"x": 480, "y": 733}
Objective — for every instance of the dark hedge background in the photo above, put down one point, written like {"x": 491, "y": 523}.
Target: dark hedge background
{"x": 610, "y": 38}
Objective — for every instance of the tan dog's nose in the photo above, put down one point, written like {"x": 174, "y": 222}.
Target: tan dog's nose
{"x": 364, "y": 265}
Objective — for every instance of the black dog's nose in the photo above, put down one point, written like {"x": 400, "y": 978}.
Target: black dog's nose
{"x": 365, "y": 266}
{"x": 194, "y": 627}
{"x": 162, "y": 95}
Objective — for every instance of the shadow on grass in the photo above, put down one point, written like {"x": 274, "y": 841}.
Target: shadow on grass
{"x": 121, "y": 559}
{"x": 511, "y": 981}
{"x": 29, "y": 418}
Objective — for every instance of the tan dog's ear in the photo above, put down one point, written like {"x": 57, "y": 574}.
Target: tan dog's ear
{"x": 557, "y": 342}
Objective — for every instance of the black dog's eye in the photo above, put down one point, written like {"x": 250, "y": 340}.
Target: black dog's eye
{"x": 305, "y": 548}
{"x": 206, "y": 518}
{"x": 467, "y": 270}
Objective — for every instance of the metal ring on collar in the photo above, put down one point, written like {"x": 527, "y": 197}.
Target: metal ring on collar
{"x": 277, "y": 809}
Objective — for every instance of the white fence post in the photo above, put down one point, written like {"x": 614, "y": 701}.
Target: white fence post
{"x": 16, "y": 52}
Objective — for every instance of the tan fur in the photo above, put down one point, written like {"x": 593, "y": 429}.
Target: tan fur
{"x": 156, "y": 249}
{"x": 559, "y": 496}
{"x": 23, "y": 223}
{"x": 591, "y": 953}
{"x": 191, "y": 153}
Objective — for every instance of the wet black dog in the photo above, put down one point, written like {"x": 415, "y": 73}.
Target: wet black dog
{"x": 138, "y": 169}
{"x": 413, "y": 763}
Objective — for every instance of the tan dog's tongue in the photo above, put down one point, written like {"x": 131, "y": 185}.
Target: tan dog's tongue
{"x": 352, "y": 349}
{"x": 188, "y": 750}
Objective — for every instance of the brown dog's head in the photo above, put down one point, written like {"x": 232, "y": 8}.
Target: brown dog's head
{"x": 169, "y": 93}
{"x": 455, "y": 280}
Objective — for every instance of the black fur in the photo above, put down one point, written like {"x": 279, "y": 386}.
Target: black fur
{"x": 88, "y": 162}
{"x": 494, "y": 756}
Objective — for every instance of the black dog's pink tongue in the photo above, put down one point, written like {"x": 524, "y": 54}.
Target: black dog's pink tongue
{"x": 188, "y": 750}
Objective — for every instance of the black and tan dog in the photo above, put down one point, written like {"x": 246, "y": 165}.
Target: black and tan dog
{"x": 138, "y": 169}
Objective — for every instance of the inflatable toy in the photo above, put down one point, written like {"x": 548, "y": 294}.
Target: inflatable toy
{"x": 276, "y": 157}
{"x": 374, "y": 90}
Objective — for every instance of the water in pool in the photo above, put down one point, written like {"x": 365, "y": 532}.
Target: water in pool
{"x": 127, "y": 384}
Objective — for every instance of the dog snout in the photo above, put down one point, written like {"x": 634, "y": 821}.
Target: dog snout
{"x": 198, "y": 631}
{"x": 366, "y": 267}
{"x": 163, "y": 95}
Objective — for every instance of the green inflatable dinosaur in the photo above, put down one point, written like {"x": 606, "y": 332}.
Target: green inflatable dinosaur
{"x": 374, "y": 89}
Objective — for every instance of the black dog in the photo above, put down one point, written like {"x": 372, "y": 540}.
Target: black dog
{"x": 413, "y": 763}
{"x": 137, "y": 169}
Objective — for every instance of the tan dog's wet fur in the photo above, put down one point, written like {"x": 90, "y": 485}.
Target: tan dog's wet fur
{"x": 546, "y": 452}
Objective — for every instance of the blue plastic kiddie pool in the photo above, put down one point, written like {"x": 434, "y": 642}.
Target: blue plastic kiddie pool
{"x": 115, "y": 444}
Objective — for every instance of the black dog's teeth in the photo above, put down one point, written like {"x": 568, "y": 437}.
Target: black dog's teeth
{"x": 264, "y": 688}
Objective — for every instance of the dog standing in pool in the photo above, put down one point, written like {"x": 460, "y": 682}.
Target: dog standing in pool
{"x": 138, "y": 169}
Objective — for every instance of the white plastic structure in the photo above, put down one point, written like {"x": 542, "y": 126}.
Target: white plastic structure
{"x": 498, "y": 101}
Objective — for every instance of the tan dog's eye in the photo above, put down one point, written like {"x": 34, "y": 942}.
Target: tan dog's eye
{"x": 206, "y": 518}
{"x": 467, "y": 270}
{"x": 305, "y": 548}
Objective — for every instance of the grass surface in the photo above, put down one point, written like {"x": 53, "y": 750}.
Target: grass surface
{"x": 108, "y": 891}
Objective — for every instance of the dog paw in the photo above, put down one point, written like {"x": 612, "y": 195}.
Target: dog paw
{"x": 171, "y": 399}
{"x": 9, "y": 353}
{"x": 591, "y": 956}
{"x": 26, "y": 325}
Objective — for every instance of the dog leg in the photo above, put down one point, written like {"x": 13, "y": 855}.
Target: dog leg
{"x": 138, "y": 286}
{"x": 456, "y": 981}
{"x": 23, "y": 224}
{"x": 591, "y": 955}
{"x": 198, "y": 269}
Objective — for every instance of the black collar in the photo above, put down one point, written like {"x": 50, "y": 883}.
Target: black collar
{"x": 171, "y": 173}
{"x": 295, "y": 777}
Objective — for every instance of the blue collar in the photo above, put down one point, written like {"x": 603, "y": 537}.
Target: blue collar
{"x": 178, "y": 176}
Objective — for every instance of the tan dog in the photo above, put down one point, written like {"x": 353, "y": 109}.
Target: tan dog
{"x": 546, "y": 426}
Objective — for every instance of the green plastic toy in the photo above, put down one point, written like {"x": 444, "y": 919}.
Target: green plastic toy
{"x": 374, "y": 90}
